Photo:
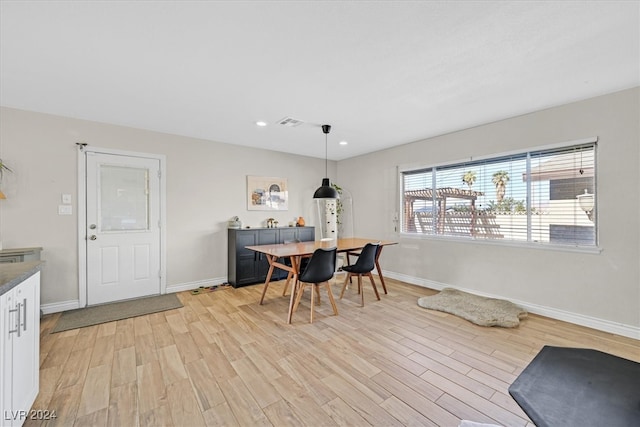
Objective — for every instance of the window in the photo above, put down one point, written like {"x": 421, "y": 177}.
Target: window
{"x": 544, "y": 196}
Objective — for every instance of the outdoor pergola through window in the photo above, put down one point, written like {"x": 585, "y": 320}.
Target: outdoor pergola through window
{"x": 544, "y": 196}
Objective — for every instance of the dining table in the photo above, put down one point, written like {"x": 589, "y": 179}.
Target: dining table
{"x": 275, "y": 253}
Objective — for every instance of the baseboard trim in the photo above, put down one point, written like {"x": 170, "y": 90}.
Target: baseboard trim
{"x": 57, "y": 307}
{"x": 553, "y": 313}
{"x": 196, "y": 284}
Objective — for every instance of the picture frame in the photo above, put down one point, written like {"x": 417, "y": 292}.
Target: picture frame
{"x": 267, "y": 193}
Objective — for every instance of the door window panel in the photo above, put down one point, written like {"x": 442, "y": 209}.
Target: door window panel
{"x": 124, "y": 198}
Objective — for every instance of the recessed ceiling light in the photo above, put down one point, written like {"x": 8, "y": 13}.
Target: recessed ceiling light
{"x": 261, "y": 123}
{"x": 343, "y": 143}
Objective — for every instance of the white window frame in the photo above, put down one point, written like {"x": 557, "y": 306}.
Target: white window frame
{"x": 500, "y": 242}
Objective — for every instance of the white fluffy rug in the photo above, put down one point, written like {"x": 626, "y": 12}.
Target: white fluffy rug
{"x": 476, "y": 309}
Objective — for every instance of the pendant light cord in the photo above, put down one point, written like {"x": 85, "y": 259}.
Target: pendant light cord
{"x": 326, "y": 129}
{"x": 326, "y": 151}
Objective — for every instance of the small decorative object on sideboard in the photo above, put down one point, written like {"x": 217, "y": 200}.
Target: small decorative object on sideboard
{"x": 300, "y": 222}
{"x": 235, "y": 223}
{"x": 271, "y": 223}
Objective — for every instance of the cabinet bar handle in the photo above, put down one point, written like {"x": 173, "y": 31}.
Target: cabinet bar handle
{"x": 17, "y": 329}
{"x": 24, "y": 317}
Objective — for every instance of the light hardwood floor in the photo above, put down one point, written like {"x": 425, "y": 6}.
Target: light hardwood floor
{"x": 223, "y": 359}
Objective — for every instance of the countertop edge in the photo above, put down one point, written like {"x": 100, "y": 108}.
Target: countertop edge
{"x": 14, "y": 273}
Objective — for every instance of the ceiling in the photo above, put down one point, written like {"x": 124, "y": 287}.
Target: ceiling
{"x": 381, "y": 73}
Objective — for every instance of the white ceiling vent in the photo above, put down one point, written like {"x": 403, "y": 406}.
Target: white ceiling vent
{"x": 290, "y": 122}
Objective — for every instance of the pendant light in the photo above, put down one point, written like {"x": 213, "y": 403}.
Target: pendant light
{"x": 326, "y": 191}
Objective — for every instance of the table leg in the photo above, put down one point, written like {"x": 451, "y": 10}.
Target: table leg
{"x": 271, "y": 260}
{"x": 384, "y": 287}
{"x": 295, "y": 262}
{"x": 290, "y": 275}
{"x": 286, "y": 283}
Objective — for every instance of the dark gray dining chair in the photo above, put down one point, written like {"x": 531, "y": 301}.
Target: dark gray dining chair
{"x": 319, "y": 271}
{"x": 357, "y": 254}
{"x": 363, "y": 267}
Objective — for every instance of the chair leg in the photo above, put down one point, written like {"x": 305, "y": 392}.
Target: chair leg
{"x": 318, "y": 294}
{"x": 360, "y": 289}
{"x": 333, "y": 302}
{"x": 374, "y": 285}
{"x": 313, "y": 292}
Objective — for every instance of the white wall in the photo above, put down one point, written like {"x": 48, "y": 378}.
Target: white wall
{"x": 206, "y": 186}
{"x": 601, "y": 289}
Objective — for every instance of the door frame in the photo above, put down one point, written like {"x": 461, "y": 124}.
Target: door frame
{"x": 83, "y": 149}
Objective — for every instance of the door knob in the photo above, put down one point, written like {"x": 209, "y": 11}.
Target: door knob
{"x": 93, "y": 237}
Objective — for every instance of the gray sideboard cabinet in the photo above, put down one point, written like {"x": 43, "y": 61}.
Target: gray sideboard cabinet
{"x": 246, "y": 267}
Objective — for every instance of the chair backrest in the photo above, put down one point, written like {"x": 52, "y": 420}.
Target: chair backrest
{"x": 367, "y": 258}
{"x": 321, "y": 266}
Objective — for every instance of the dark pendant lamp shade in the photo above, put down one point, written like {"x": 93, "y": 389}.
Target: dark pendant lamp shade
{"x": 326, "y": 191}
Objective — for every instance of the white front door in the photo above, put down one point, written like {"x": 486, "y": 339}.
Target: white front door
{"x": 123, "y": 227}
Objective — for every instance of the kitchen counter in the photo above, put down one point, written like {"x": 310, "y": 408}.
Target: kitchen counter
{"x": 14, "y": 273}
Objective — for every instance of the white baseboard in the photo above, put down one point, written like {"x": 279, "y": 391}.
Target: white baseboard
{"x": 57, "y": 307}
{"x": 72, "y": 305}
{"x": 194, "y": 285}
{"x": 554, "y": 313}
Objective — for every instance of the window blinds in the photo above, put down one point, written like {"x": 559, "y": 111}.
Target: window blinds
{"x": 528, "y": 197}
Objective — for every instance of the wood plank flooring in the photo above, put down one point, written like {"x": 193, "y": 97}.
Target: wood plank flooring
{"x": 223, "y": 359}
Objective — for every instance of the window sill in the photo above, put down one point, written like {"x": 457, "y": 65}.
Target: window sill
{"x": 510, "y": 244}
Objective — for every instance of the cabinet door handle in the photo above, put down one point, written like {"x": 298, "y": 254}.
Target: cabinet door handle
{"x": 17, "y": 329}
{"x": 24, "y": 316}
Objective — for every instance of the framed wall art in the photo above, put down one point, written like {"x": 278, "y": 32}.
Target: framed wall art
{"x": 266, "y": 193}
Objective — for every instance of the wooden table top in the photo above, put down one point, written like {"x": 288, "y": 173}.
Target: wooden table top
{"x": 308, "y": 248}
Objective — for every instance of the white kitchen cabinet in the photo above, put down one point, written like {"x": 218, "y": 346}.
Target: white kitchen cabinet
{"x": 19, "y": 350}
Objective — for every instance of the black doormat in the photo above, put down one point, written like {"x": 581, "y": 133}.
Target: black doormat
{"x": 95, "y": 315}
{"x": 579, "y": 387}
